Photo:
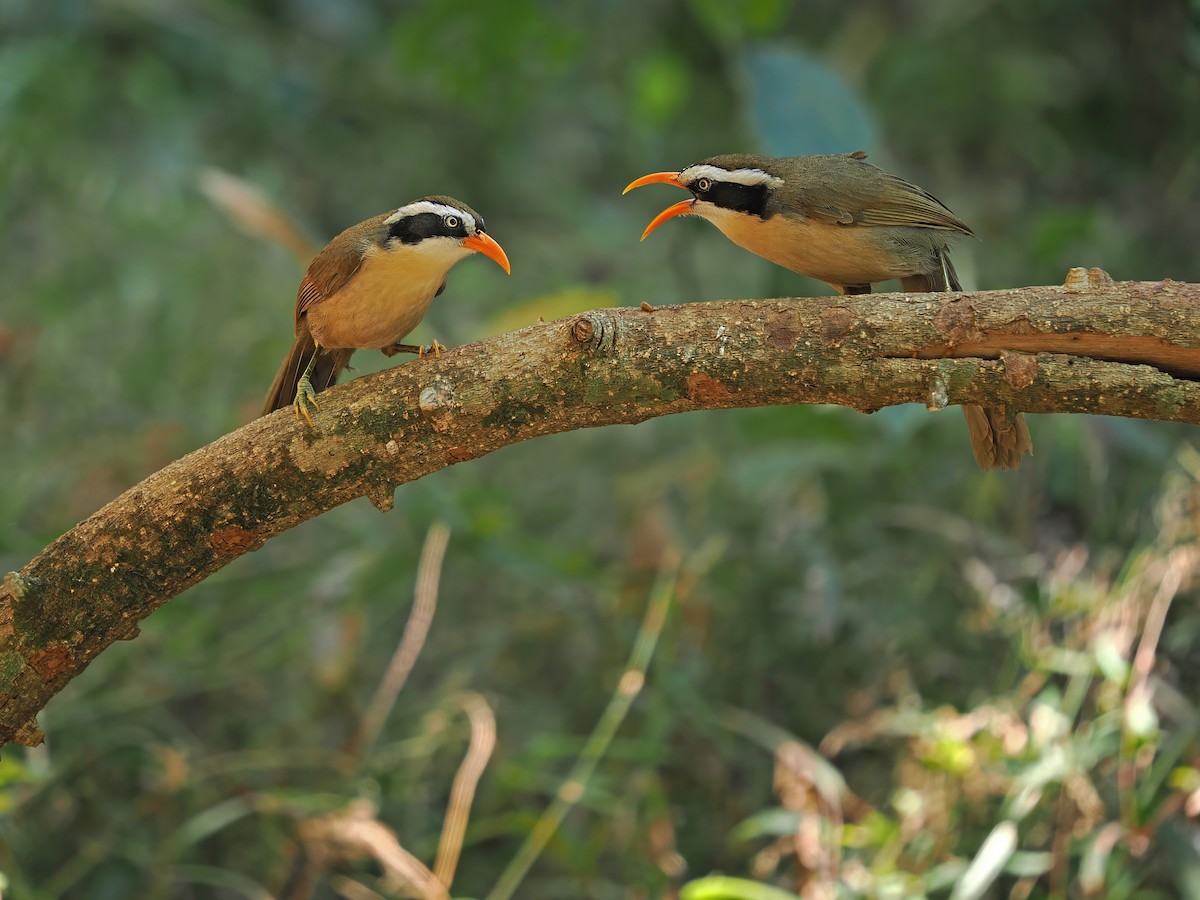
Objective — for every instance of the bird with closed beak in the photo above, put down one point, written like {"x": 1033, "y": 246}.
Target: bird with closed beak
{"x": 843, "y": 221}
{"x": 371, "y": 286}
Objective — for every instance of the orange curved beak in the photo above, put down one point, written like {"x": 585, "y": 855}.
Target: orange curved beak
{"x": 682, "y": 208}
{"x": 655, "y": 178}
{"x": 483, "y": 243}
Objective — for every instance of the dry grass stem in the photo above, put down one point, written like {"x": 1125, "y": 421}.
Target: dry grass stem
{"x": 479, "y": 751}
{"x": 353, "y": 890}
{"x": 253, "y": 212}
{"x": 354, "y": 833}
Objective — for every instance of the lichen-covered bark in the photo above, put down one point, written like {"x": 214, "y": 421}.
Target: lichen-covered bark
{"x": 1128, "y": 349}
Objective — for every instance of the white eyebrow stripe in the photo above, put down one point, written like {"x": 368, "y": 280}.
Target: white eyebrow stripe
{"x": 748, "y": 177}
{"x": 427, "y": 206}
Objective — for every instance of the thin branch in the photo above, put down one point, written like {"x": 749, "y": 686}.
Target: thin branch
{"x": 1127, "y": 349}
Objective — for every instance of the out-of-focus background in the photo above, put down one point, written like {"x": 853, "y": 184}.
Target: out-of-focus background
{"x": 876, "y": 656}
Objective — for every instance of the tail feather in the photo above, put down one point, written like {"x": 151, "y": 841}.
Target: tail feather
{"x": 998, "y": 439}
{"x": 324, "y": 374}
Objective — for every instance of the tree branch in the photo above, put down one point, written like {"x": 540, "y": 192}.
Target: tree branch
{"x": 1128, "y": 349}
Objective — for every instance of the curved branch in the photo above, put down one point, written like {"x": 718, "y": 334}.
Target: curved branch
{"x": 1125, "y": 349}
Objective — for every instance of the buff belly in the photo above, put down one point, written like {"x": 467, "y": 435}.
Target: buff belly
{"x": 384, "y": 300}
{"x": 835, "y": 254}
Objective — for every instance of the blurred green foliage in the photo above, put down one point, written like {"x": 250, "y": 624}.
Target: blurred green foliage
{"x": 863, "y": 574}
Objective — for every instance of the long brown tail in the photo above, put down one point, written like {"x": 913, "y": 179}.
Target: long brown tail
{"x": 998, "y": 439}
{"x": 324, "y": 374}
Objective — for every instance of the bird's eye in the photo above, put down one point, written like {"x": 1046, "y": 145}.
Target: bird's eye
{"x": 451, "y": 221}
{"x": 703, "y": 184}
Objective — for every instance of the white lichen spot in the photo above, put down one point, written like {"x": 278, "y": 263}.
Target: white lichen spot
{"x": 937, "y": 399}
{"x": 438, "y": 395}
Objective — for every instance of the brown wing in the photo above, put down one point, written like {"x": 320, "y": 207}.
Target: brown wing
{"x": 844, "y": 190}
{"x": 336, "y": 264}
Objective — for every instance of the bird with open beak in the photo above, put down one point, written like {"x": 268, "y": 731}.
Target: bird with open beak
{"x": 843, "y": 221}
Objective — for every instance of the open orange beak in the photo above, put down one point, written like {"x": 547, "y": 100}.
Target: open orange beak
{"x": 656, "y": 178}
{"x": 483, "y": 243}
{"x": 682, "y": 208}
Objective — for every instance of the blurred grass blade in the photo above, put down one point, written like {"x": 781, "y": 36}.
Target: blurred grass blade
{"x": 253, "y": 212}
{"x": 1095, "y": 859}
{"x": 722, "y": 887}
{"x": 988, "y": 863}
{"x": 1179, "y": 841}
{"x": 826, "y": 777}
{"x": 772, "y": 822}
{"x": 629, "y": 686}
{"x": 1030, "y": 863}
{"x": 943, "y": 876}
{"x": 212, "y": 820}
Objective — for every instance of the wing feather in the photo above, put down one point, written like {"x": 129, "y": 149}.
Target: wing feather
{"x": 853, "y": 192}
{"x": 334, "y": 266}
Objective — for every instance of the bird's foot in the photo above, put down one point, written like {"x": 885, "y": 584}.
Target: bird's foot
{"x": 305, "y": 395}
{"x": 434, "y": 348}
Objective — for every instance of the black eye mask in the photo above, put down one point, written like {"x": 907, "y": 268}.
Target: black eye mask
{"x": 743, "y": 198}
{"x": 414, "y": 229}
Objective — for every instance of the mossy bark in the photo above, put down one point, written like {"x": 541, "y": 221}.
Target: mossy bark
{"x": 1124, "y": 349}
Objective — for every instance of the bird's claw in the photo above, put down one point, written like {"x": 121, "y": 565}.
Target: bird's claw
{"x": 305, "y": 395}
{"x": 434, "y": 348}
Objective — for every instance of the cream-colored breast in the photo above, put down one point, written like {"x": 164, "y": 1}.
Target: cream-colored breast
{"x": 384, "y": 300}
{"x": 835, "y": 254}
